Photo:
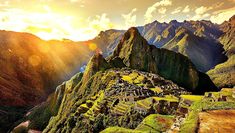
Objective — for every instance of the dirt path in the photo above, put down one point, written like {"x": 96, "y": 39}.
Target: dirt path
{"x": 217, "y": 121}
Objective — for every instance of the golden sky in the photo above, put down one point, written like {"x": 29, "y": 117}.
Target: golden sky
{"x": 84, "y": 19}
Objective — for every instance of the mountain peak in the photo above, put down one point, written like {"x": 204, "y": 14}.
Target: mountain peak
{"x": 232, "y": 20}
{"x": 131, "y": 32}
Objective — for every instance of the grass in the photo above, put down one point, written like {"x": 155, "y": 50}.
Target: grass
{"x": 145, "y": 103}
{"x": 192, "y": 97}
{"x": 84, "y": 106}
{"x": 166, "y": 98}
{"x": 134, "y": 77}
{"x": 156, "y": 123}
{"x": 156, "y": 89}
{"x": 95, "y": 107}
{"x": 119, "y": 130}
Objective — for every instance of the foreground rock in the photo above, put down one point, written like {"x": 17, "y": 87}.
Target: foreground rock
{"x": 217, "y": 121}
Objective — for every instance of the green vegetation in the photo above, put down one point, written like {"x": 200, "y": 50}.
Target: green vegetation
{"x": 156, "y": 89}
{"x": 145, "y": 103}
{"x": 153, "y": 123}
{"x": 191, "y": 122}
{"x": 120, "y": 130}
{"x": 222, "y": 74}
{"x": 156, "y": 123}
{"x": 192, "y": 97}
{"x": 167, "y": 98}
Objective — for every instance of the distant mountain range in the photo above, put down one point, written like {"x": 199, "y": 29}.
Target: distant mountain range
{"x": 205, "y": 43}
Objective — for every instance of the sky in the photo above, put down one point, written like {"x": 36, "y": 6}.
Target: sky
{"x": 80, "y": 20}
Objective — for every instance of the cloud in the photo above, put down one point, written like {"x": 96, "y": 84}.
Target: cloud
{"x": 222, "y": 15}
{"x": 100, "y": 22}
{"x": 52, "y": 25}
{"x": 130, "y": 18}
{"x": 177, "y": 10}
{"x": 162, "y": 10}
{"x": 200, "y": 13}
{"x": 202, "y": 10}
{"x": 149, "y": 13}
{"x": 4, "y": 4}
{"x": 186, "y": 9}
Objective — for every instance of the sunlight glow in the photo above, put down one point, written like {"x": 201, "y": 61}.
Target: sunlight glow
{"x": 49, "y": 25}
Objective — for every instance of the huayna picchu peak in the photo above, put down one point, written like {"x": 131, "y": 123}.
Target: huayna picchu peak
{"x": 138, "y": 88}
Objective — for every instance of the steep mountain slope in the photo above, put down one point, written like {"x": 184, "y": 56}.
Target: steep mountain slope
{"x": 205, "y": 54}
{"x": 108, "y": 40}
{"x": 30, "y": 70}
{"x": 107, "y": 96}
{"x": 223, "y": 74}
{"x": 31, "y": 67}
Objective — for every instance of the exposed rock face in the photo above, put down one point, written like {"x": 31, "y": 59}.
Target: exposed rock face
{"x": 136, "y": 53}
{"x": 216, "y": 121}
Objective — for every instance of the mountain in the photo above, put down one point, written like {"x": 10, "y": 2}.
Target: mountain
{"x": 107, "y": 40}
{"x": 107, "y": 95}
{"x": 136, "y": 53}
{"x": 223, "y": 74}
{"x": 31, "y": 67}
{"x": 206, "y": 44}
{"x": 197, "y": 40}
{"x": 30, "y": 70}
{"x": 204, "y": 53}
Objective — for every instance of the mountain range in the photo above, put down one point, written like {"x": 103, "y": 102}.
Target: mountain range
{"x": 181, "y": 52}
{"x": 139, "y": 87}
{"x": 205, "y": 43}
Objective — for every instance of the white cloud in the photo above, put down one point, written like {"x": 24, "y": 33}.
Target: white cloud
{"x": 177, "y": 10}
{"x": 149, "y": 13}
{"x": 200, "y": 13}
{"x": 100, "y": 22}
{"x": 186, "y": 9}
{"x": 162, "y": 10}
{"x": 51, "y": 25}
{"x": 130, "y": 18}
{"x": 202, "y": 10}
{"x": 222, "y": 15}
